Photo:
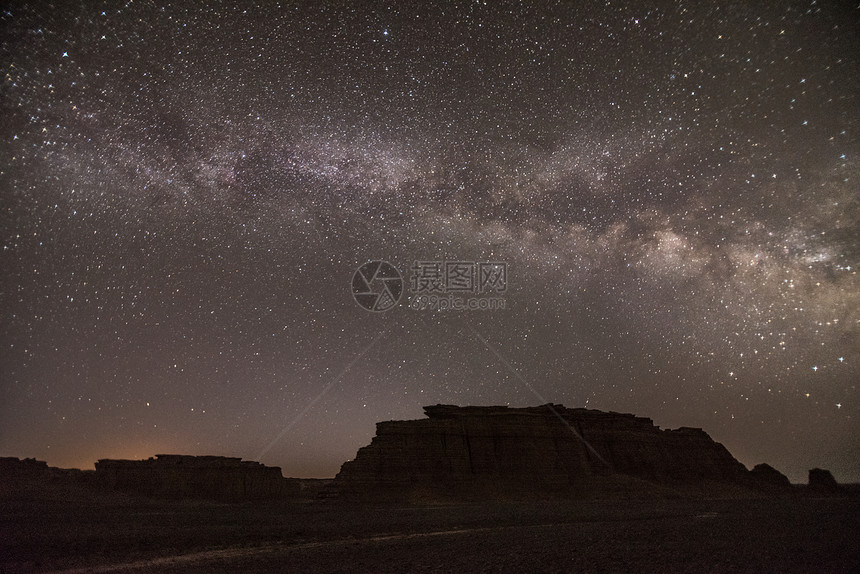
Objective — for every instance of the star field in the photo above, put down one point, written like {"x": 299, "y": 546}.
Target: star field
{"x": 187, "y": 192}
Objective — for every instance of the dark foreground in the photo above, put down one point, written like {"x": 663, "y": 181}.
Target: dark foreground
{"x": 124, "y": 534}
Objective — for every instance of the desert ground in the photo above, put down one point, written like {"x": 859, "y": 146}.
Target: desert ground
{"x": 127, "y": 534}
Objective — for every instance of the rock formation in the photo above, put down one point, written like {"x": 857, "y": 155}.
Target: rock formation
{"x": 31, "y": 479}
{"x": 204, "y": 477}
{"x": 24, "y": 469}
{"x": 461, "y": 452}
{"x": 13, "y": 467}
{"x": 767, "y": 477}
{"x": 821, "y": 481}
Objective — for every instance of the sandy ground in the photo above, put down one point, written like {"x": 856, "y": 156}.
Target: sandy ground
{"x": 799, "y": 535}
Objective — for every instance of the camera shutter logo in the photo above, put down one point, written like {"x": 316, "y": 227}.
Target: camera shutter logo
{"x": 377, "y": 286}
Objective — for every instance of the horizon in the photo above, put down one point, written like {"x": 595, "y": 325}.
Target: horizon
{"x": 797, "y": 479}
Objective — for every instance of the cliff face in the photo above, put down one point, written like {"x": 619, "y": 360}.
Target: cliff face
{"x": 548, "y": 449}
{"x": 207, "y": 477}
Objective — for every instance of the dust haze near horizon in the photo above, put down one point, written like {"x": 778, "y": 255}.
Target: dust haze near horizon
{"x": 187, "y": 192}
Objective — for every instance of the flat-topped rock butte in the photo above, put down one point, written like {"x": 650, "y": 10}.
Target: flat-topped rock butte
{"x": 477, "y": 451}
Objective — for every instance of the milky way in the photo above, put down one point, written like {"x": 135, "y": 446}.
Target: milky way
{"x": 186, "y": 194}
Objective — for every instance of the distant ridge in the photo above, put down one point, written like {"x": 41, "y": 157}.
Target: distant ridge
{"x": 470, "y": 453}
{"x": 185, "y": 476}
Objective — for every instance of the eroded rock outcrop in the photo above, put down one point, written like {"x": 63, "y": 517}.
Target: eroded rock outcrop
{"x": 821, "y": 481}
{"x": 23, "y": 469}
{"x": 28, "y": 479}
{"x": 547, "y": 450}
{"x": 204, "y": 477}
{"x": 767, "y": 477}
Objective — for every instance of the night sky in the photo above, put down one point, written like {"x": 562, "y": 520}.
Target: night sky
{"x": 187, "y": 193}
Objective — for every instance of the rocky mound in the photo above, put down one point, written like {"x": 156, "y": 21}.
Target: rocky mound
{"x": 463, "y": 452}
{"x": 767, "y": 477}
{"x": 821, "y": 482}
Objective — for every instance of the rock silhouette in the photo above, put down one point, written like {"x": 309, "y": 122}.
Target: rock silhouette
{"x": 767, "y": 477}
{"x": 821, "y": 481}
{"x": 454, "y": 454}
{"x": 535, "y": 451}
{"x": 16, "y": 471}
{"x": 203, "y": 477}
